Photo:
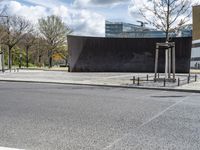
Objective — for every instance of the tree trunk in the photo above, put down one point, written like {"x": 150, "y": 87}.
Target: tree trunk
{"x": 167, "y": 36}
{"x": 39, "y": 60}
{"x": 10, "y": 58}
{"x": 66, "y": 61}
{"x": 20, "y": 60}
{"x": 50, "y": 58}
{"x": 50, "y": 62}
{"x": 167, "y": 23}
{"x": 27, "y": 58}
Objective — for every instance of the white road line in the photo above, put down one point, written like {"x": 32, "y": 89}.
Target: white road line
{"x": 145, "y": 123}
{"x": 7, "y": 148}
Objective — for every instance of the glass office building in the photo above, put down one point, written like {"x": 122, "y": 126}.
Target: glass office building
{"x": 121, "y": 29}
{"x": 127, "y": 30}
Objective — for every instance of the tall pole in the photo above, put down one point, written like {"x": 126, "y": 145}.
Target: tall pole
{"x": 169, "y": 71}
{"x": 9, "y": 48}
{"x": 156, "y": 60}
{"x": 174, "y": 61}
{"x": 27, "y": 58}
{"x": 2, "y": 51}
{"x": 20, "y": 59}
{"x": 166, "y": 63}
{"x": 2, "y": 59}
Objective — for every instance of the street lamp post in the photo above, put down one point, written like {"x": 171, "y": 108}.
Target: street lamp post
{"x": 2, "y": 51}
{"x": 2, "y": 59}
{"x": 20, "y": 59}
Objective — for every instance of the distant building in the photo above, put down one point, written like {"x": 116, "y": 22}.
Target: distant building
{"x": 121, "y": 29}
{"x": 196, "y": 22}
{"x": 195, "y": 57}
{"x": 127, "y": 30}
{"x": 185, "y": 31}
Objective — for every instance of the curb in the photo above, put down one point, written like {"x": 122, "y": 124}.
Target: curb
{"x": 44, "y": 69}
{"x": 109, "y": 86}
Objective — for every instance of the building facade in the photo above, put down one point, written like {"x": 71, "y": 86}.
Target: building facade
{"x": 195, "y": 56}
{"x": 99, "y": 54}
{"x": 127, "y": 30}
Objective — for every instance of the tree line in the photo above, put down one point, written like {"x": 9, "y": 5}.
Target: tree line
{"x": 26, "y": 44}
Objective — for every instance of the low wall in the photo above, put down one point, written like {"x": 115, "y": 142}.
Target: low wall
{"x": 96, "y": 54}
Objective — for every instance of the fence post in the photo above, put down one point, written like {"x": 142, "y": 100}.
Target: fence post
{"x": 195, "y": 78}
{"x": 138, "y": 81}
{"x": 164, "y": 82}
{"x": 178, "y": 81}
{"x": 188, "y": 79}
{"x": 133, "y": 79}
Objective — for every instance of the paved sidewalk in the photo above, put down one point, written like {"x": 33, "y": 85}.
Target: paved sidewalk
{"x": 66, "y": 77}
{"x": 109, "y": 79}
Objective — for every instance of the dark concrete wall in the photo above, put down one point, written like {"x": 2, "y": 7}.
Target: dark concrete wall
{"x": 94, "y": 54}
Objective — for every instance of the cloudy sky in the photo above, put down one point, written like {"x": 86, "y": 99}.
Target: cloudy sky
{"x": 86, "y": 17}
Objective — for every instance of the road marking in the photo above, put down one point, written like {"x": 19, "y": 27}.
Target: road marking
{"x": 145, "y": 123}
{"x": 7, "y": 148}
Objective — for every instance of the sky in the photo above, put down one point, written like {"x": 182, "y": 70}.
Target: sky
{"x": 85, "y": 17}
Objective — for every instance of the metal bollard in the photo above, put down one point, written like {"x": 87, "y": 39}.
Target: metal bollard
{"x": 147, "y": 77}
{"x": 133, "y": 79}
{"x": 158, "y": 75}
{"x": 138, "y": 83}
{"x": 178, "y": 81}
{"x": 164, "y": 82}
{"x": 195, "y": 78}
{"x": 188, "y": 79}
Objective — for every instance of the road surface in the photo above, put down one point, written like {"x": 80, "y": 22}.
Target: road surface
{"x": 62, "y": 117}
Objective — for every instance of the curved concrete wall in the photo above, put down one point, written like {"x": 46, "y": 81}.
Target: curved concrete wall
{"x": 95, "y": 54}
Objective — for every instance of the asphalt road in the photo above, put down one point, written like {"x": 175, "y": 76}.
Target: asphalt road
{"x": 62, "y": 117}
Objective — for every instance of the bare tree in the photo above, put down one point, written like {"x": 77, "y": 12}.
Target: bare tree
{"x": 2, "y": 28}
{"x": 28, "y": 41}
{"x": 55, "y": 32}
{"x": 2, "y": 32}
{"x": 15, "y": 28}
{"x": 167, "y": 15}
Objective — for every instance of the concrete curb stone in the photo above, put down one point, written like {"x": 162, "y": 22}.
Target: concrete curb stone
{"x": 111, "y": 86}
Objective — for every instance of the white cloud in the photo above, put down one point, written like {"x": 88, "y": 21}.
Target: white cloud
{"x": 135, "y": 5}
{"x": 33, "y": 13}
{"x": 83, "y": 22}
{"x": 98, "y": 3}
{"x": 88, "y": 23}
{"x": 45, "y": 3}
